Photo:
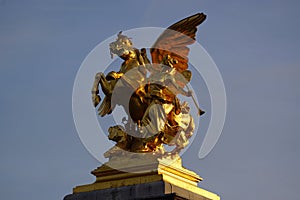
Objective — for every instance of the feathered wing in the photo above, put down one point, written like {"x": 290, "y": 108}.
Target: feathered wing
{"x": 174, "y": 41}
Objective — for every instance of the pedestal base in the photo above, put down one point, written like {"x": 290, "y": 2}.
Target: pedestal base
{"x": 148, "y": 179}
{"x": 158, "y": 190}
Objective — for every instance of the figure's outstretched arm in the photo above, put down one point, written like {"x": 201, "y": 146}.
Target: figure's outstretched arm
{"x": 171, "y": 81}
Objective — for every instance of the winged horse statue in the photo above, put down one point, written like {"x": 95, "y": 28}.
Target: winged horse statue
{"x": 148, "y": 91}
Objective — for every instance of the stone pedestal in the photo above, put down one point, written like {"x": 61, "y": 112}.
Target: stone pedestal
{"x": 143, "y": 180}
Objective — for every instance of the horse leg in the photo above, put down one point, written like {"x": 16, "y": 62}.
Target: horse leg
{"x": 95, "y": 90}
{"x": 106, "y": 86}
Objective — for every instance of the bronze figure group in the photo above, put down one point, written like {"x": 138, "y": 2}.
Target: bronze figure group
{"x": 148, "y": 92}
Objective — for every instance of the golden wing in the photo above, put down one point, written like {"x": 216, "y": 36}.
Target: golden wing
{"x": 174, "y": 41}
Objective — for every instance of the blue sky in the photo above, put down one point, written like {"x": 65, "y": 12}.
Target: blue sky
{"x": 254, "y": 43}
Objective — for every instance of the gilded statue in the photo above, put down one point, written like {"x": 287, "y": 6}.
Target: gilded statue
{"x": 148, "y": 92}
